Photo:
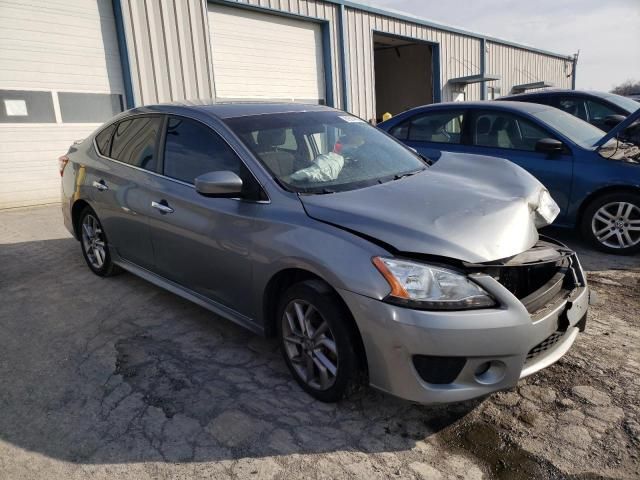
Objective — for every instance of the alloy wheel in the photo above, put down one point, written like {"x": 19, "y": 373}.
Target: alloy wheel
{"x": 617, "y": 225}
{"x": 310, "y": 345}
{"x": 93, "y": 241}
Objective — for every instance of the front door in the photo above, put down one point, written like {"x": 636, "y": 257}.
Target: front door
{"x": 511, "y": 136}
{"x": 433, "y": 132}
{"x": 201, "y": 243}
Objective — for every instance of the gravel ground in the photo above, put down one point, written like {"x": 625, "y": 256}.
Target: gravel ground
{"x": 115, "y": 378}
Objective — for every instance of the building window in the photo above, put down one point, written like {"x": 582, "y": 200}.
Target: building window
{"x": 88, "y": 107}
{"x": 21, "y": 106}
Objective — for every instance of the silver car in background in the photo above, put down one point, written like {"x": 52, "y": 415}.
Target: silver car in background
{"x": 429, "y": 282}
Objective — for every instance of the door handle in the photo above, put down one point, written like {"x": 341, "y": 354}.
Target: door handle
{"x": 100, "y": 185}
{"x": 162, "y": 207}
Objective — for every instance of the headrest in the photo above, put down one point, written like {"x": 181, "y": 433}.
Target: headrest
{"x": 483, "y": 126}
{"x": 500, "y": 123}
{"x": 271, "y": 138}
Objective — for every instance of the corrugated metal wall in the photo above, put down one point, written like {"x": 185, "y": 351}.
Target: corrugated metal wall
{"x": 459, "y": 56}
{"x": 168, "y": 43}
{"x": 169, "y": 49}
{"x": 170, "y": 57}
{"x": 518, "y": 66}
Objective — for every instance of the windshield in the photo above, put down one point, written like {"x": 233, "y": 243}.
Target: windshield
{"x": 578, "y": 131}
{"x": 626, "y": 103}
{"x": 324, "y": 152}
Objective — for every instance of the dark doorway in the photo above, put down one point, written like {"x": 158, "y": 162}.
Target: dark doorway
{"x": 404, "y": 74}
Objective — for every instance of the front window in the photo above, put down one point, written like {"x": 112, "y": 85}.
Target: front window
{"x": 578, "y": 131}
{"x": 438, "y": 127}
{"x": 192, "y": 149}
{"x": 324, "y": 152}
{"x": 574, "y": 106}
{"x": 497, "y": 129}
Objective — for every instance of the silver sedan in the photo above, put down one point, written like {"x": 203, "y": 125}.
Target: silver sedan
{"x": 367, "y": 261}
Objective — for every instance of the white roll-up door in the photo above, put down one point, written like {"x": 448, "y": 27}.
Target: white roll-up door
{"x": 261, "y": 56}
{"x": 60, "y": 78}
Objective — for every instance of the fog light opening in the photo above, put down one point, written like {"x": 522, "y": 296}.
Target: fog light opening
{"x": 491, "y": 372}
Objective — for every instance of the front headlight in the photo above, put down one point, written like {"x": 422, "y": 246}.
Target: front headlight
{"x": 423, "y": 286}
{"x": 547, "y": 210}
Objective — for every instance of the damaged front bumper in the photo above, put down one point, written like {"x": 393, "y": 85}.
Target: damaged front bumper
{"x": 440, "y": 357}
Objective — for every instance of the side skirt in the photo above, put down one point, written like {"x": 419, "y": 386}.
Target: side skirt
{"x": 192, "y": 296}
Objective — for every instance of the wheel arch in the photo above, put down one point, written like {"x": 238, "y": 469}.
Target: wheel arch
{"x": 601, "y": 192}
{"x": 284, "y": 279}
{"x": 76, "y": 210}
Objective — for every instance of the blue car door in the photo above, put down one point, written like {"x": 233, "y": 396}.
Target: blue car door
{"x": 432, "y": 132}
{"x": 514, "y": 137}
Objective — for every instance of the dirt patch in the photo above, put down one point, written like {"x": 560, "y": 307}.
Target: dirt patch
{"x": 578, "y": 418}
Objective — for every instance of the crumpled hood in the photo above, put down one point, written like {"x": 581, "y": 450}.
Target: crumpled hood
{"x": 467, "y": 207}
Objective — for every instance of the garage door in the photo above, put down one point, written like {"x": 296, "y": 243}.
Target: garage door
{"x": 60, "y": 78}
{"x": 265, "y": 57}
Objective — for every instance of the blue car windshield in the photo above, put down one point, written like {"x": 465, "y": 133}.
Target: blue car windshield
{"x": 578, "y": 131}
{"x": 324, "y": 151}
{"x": 628, "y": 104}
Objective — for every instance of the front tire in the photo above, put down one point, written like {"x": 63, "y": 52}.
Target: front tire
{"x": 317, "y": 340}
{"x": 93, "y": 241}
{"x": 611, "y": 223}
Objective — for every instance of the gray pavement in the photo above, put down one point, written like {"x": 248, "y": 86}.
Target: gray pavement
{"x": 115, "y": 378}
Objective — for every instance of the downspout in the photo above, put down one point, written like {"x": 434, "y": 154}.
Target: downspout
{"x": 344, "y": 58}
{"x": 124, "y": 54}
{"x": 483, "y": 64}
{"x": 574, "y": 62}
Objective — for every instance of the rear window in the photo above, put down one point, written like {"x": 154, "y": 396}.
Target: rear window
{"x": 103, "y": 140}
{"x": 135, "y": 142}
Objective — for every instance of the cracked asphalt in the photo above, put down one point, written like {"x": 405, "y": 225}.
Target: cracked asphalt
{"x": 115, "y": 378}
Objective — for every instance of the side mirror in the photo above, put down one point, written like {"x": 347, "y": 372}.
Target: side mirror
{"x": 222, "y": 184}
{"x": 613, "y": 120}
{"x": 549, "y": 145}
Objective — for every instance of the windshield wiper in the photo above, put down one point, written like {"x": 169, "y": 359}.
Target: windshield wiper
{"x": 408, "y": 174}
{"x": 427, "y": 160}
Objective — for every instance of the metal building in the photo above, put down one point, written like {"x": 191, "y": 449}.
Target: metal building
{"x": 65, "y": 67}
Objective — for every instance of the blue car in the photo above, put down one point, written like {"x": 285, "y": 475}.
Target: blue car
{"x": 593, "y": 176}
{"x": 601, "y": 109}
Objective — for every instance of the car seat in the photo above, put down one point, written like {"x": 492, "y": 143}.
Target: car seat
{"x": 483, "y": 127}
{"x": 279, "y": 162}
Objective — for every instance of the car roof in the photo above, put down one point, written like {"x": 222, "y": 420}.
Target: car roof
{"x": 556, "y": 91}
{"x": 518, "y": 106}
{"x": 224, "y": 110}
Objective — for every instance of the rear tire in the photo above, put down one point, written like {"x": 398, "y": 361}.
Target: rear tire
{"x": 317, "y": 340}
{"x": 94, "y": 245}
{"x": 611, "y": 223}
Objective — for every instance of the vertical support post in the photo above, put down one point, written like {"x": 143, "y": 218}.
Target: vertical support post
{"x": 328, "y": 64}
{"x": 437, "y": 87}
{"x": 124, "y": 54}
{"x": 574, "y": 64}
{"x": 483, "y": 68}
{"x": 344, "y": 58}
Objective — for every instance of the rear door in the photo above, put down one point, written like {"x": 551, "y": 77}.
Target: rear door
{"x": 513, "y": 137}
{"x": 432, "y": 132}
{"x": 123, "y": 188}
{"x": 202, "y": 243}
